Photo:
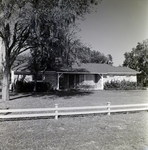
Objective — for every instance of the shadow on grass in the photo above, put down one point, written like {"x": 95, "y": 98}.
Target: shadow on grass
{"x": 18, "y": 96}
{"x": 51, "y": 117}
{"x": 65, "y": 94}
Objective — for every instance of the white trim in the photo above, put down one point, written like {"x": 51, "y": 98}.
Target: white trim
{"x": 58, "y": 82}
{"x": 126, "y": 73}
{"x": 81, "y": 72}
{"x": 102, "y": 82}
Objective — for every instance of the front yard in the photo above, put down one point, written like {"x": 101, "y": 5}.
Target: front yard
{"x": 92, "y": 132}
{"x": 75, "y": 98}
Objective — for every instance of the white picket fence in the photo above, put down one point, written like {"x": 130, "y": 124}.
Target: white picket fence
{"x": 66, "y": 111}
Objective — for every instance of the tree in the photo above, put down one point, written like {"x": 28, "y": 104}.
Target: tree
{"x": 86, "y": 55}
{"x": 109, "y": 59}
{"x": 138, "y": 59}
{"x": 14, "y": 30}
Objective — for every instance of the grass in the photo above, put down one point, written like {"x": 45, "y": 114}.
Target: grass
{"x": 92, "y": 132}
{"x": 115, "y": 132}
{"x": 81, "y": 98}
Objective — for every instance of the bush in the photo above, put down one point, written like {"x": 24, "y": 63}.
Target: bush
{"x": 43, "y": 87}
{"x": 113, "y": 85}
{"x": 21, "y": 86}
{"x": 120, "y": 85}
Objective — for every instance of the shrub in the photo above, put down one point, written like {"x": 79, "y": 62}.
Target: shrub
{"x": 113, "y": 85}
{"x": 120, "y": 85}
{"x": 21, "y": 86}
{"x": 43, "y": 87}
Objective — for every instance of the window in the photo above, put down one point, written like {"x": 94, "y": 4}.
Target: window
{"x": 89, "y": 77}
{"x": 96, "y": 78}
{"x": 81, "y": 78}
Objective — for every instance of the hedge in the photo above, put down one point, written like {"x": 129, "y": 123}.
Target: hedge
{"x": 120, "y": 85}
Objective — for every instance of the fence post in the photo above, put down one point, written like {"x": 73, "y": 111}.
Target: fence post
{"x": 108, "y": 107}
{"x": 56, "y": 111}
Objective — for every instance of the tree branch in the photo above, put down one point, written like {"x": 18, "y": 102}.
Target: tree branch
{"x": 14, "y": 40}
{"x": 1, "y": 35}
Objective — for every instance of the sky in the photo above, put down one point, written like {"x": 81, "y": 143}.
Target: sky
{"x": 115, "y": 27}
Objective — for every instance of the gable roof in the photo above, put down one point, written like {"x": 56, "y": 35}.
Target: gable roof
{"x": 99, "y": 68}
{"x": 83, "y": 68}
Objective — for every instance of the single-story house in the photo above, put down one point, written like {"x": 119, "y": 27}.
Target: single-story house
{"x": 84, "y": 76}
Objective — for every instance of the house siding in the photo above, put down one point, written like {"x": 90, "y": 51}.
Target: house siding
{"x": 97, "y": 81}
{"x": 51, "y": 78}
{"x": 131, "y": 78}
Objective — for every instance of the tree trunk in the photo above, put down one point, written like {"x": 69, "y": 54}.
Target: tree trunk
{"x": 35, "y": 86}
{"x": 5, "y": 84}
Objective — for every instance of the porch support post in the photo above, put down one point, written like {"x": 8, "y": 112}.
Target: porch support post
{"x": 68, "y": 82}
{"x": 102, "y": 82}
{"x": 58, "y": 82}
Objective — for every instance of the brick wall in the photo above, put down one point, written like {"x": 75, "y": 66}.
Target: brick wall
{"x": 52, "y": 79}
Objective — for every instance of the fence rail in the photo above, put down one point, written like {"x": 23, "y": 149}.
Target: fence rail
{"x": 65, "y": 111}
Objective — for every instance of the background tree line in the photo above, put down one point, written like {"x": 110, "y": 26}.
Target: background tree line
{"x": 86, "y": 55}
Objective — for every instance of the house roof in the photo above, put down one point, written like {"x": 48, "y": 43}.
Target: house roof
{"x": 99, "y": 68}
{"x": 21, "y": 69}
{"x": 82, "y": 69}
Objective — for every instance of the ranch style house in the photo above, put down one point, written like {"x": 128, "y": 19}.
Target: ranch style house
{"x": 83, "y": 76}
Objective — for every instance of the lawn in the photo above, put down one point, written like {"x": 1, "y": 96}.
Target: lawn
{"x": 91, "y": 132}
{"x": 74, "y": 98}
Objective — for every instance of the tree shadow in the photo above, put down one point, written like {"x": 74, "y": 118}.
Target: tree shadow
{"x": 65, "y": 94}
{"x": 52, "y": 94}
{"x": 19, "y": 96}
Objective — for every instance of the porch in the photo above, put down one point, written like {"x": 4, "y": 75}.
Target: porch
{"x": 80, "y": 81}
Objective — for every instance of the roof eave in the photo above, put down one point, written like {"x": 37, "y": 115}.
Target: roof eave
{"x": 132, "y": 73}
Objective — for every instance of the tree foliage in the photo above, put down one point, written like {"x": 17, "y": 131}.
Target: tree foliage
{"x": 14, "y": 28}
{"x": 138, "y": 59}
{"x": 53, "y": 33}
{"x": 86, "y": 55}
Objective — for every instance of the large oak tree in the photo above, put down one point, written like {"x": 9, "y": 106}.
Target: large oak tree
{"x": 14, "y": 30}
